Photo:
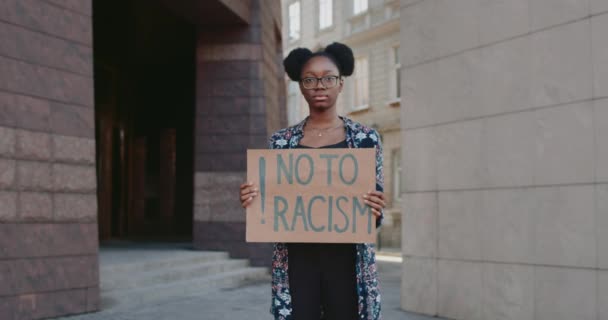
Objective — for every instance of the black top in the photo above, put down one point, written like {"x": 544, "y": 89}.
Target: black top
{"x": 341, "y": 144}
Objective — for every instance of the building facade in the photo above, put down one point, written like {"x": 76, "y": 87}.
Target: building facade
{"x": 372, "y": 95}
{"x": 505, "y": 117}
{"x": 126, "y": 120}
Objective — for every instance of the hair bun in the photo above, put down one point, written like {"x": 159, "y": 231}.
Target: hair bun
{"x": 344, "y": 56}
{"x": 294, "y": 62}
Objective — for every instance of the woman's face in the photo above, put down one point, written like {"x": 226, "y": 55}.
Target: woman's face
{"x": 320, "y": 97}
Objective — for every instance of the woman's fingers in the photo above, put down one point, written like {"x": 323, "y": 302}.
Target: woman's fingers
{"x": 378, "y": 194}
{"x": 376, "y": 212}
{"x": 246, "y": 184}
{"x": 245, "y": 203}
{"x": 377, "y": 200}
{"x": 373, "y": 205}
{"x": 248, "y": 192}
{"x": 375, "y": 197}
{"x": 248, "y": 188}
{"x": 248, "y": 195}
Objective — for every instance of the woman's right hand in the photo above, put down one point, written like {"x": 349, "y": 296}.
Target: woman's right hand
{"x": 248, "y": 192}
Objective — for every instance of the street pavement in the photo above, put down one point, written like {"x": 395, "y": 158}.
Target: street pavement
{"x": 250, "y": 302}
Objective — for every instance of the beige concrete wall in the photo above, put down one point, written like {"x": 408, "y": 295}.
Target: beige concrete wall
{"x": 390, "y": 234}
{"x": 237, "y": 108}
{"x": 505, "y": 115}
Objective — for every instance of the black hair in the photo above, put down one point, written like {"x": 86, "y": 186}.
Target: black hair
{"x": 340, "y": 54}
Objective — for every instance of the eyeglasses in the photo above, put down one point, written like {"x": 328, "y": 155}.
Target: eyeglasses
{"x": 327, "y": 82}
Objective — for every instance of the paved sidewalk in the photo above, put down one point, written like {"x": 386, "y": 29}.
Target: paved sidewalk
{"x": 250, "y": 303}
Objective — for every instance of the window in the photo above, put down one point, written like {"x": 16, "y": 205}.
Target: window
{"x": 397, "y": 181}
{"x": 359, "y": 6}
{"x": 396, "y": 73}
{"x": 294, "y": 21}
{"x": 361, "y": 85}
{"x": 293, "y": 103}
{"x": 325, "y": 14}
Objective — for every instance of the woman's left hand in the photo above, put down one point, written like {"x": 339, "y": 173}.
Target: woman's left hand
{"x": 375, "y": 199}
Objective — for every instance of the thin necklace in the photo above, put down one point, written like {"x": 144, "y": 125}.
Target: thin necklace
{"x": 321, "y": 130}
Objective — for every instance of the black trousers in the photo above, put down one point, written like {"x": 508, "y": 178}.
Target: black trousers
{"x": 322, "y": 281}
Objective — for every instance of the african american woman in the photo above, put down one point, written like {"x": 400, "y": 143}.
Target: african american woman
{"x": 333, "y": 281}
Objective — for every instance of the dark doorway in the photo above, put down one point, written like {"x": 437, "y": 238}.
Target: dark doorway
{"x": 144, "y": 59}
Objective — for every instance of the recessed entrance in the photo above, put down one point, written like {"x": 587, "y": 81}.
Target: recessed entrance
{"x": 144, "y": 59}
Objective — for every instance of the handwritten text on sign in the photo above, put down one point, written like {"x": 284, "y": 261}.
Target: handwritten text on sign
{"x": 311, "y": 195}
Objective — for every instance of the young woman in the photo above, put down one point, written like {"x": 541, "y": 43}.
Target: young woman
{"x": 311, "y": 281}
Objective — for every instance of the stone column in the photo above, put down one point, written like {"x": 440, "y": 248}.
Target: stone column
{"x": 238, "y": 90}
{"x": 48, "y": 203}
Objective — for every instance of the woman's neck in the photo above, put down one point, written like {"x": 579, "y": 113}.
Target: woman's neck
{"x": 322, "y": 119}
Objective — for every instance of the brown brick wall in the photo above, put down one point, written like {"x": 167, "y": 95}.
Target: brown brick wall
{"x": 48, "y": 204}
{"x": 230, "y": 237}
{"x": 239, "y": 92}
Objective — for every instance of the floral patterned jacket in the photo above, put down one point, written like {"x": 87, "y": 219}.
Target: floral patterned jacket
{"x": 357, "y": 136}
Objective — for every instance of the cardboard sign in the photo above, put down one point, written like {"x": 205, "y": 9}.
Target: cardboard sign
{"x": 311, "y": 195}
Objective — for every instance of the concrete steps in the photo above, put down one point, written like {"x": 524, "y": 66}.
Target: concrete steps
{"x": 185, "y": 288}
{"x": 147, "y": 261}
{"x": 164, "y": 275}
{"x": 137, "y": 278}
